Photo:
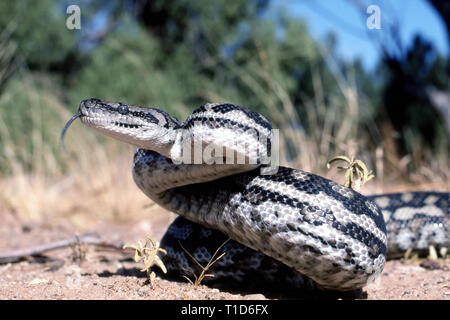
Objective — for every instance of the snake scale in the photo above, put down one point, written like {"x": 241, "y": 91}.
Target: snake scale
{"x": 288, "y": 226}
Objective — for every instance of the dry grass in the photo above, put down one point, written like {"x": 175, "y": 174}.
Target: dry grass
{"x": 104, "y": 189}
{"x": 204, "y": 269}
{"x": 91, "y": 179}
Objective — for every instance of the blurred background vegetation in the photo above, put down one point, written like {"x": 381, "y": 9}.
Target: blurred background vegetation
{"x": 179, "y": 54}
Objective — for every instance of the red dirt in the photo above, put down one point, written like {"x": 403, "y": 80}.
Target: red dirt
{"x": 109, "y": 274}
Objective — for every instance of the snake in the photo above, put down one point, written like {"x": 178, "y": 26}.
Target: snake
{"x": 276, "y": 225}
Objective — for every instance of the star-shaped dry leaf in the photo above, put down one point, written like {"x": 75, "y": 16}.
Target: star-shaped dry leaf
{"x": 148, "y": 253}
{"x": 356, "y": 174}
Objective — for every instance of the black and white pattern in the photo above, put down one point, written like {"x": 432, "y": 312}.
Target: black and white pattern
{"x": 415, "y": 220}
{"x": 290, "y": 228}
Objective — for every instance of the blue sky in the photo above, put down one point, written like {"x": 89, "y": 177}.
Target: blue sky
{"x": 346, "y": 21}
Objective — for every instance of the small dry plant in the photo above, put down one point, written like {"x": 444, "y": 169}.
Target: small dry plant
{"x": 147, "y": 252}
{"x": 433, "y": 254}
{"x": 356, "y": 172}
{"x": 79, "y": 251}
{"x": 198, "y": 279}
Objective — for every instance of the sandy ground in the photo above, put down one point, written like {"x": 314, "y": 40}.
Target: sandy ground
{"x": 111, "y": 274}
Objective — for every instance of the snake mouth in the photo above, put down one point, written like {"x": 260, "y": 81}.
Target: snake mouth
{"x": 116, "y": 119}
{"x": 127, "y": 125}
{"x": 107, "y": 123}
{"x": 112, "y": 116}
{"x": 94, "y": 121}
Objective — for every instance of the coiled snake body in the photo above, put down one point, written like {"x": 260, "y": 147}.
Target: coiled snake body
{"x": 288, "y": 225}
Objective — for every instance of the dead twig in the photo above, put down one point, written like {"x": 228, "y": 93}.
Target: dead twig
{"x": 10, "y": 256}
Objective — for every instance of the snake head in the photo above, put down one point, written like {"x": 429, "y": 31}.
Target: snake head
{"x": 147, "y": 128}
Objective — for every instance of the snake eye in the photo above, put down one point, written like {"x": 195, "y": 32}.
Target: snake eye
{"x": 123, "y": 109}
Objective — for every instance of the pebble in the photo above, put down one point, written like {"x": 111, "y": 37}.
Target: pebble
{"x": 430, "y": 265}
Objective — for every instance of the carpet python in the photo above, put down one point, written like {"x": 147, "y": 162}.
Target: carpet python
{"x": 287, "y": 226}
